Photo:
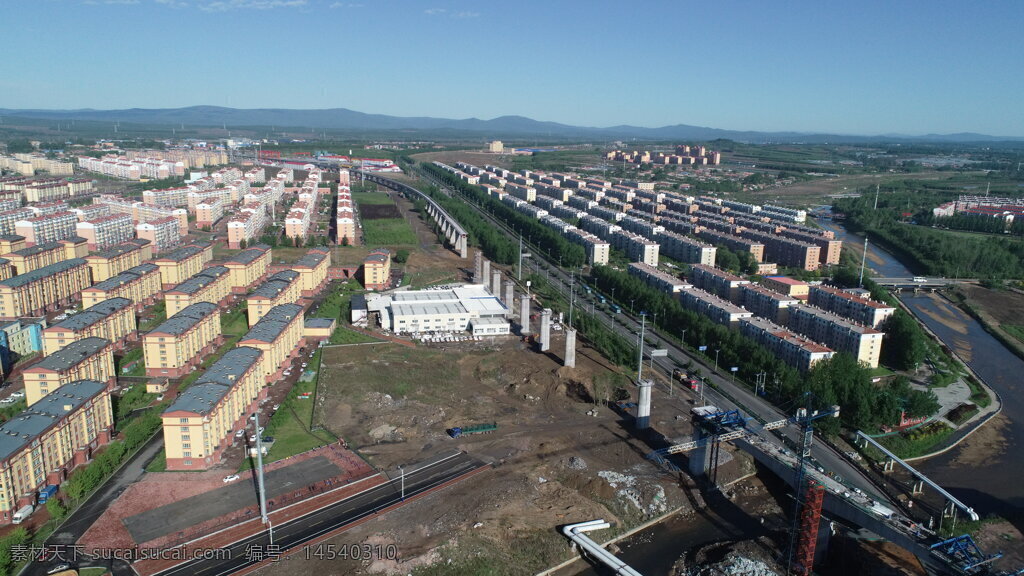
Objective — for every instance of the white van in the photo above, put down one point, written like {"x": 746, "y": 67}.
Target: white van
{"x": 21, "y": 515}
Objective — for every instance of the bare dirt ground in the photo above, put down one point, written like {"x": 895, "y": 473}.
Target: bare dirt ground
{"x": 1003, "y": 536}
{"x": 468, "y": 156}
{"x": 559, "y": 458}
{"x": 984, "y": 445}
{"x": 819, "y": 190}
{"x": 1004, "y": 306}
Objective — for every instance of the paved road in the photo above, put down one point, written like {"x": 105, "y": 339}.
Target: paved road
{"x": 735, "y": 396}
{"x": 88, "y": 513}
{"x": 293, "y": 534}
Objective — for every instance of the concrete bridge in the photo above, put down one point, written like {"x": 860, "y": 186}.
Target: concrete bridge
{"x": 451, "y": 229}
{"x": 918, "y": 283}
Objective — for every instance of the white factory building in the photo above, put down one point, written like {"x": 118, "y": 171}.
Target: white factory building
{"x": 469, "y": 307}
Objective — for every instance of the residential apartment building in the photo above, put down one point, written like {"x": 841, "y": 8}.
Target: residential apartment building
{"x": 248, "y": 267}
{"x": 33, "y": 257}
{"x": 90, "y": 211}
{"x": 838, "y": 333}
{"x": 6, "y": 269}
{"x": 44, "y": 443}
{"x": 209, "y": 212}
{"x": 857, "y": 308}
{"x": 597, "y": 249}
{"x": 46, "y": 228}
{"x": 199, "y": 426}
{"x": 11, "y": 243}
{"x": 113, "y": 320}
{"x": 767, "y": 303}
{"x": 656, "y": 278}
{"x": 345, "y": 216}
{"x": 86, "y": 359}
{"x": 299, "y": 218}
{"x": 686, "y": 249}
{"x": 106, "y": 231}
{"x": 112, "y": 261}
{"x": 176, "y": 346}
{"x": 140, "y": 284}
{"x": 19, "y": 339}
{"x": 43, "y": 289}
{"x": 717, "y": 309}
{"x": 377, "y": 270}
{"x": 246, "y": 225}
{"x": 793, "y": 349}
{"x": 141, "y": 212}
{"x": 733, "y": 242}
{"x": 211, "y": 285}
{"x": 717, "y": 281}
{"x": 8, "y": 219}
{"x": 786, "y": 285}
{"x": 168, "y": 197}
{"x": 636, "y": 247}
{"x": 284, "y": 287}
{"x": 312, "y": 268}
{"x": 163, "y": 233}
{"x": 181, "y": 264}
{"x": 786, "y": 251}
{"x": 278, "y": 334}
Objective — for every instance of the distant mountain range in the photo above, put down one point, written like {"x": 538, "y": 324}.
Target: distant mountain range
{"x": 501, "y": 127}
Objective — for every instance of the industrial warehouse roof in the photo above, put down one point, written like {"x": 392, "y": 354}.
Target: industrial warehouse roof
{"x": 125, "y": 277}
{"x": 71, "y": 355}
{"x": 185, "y": 319}
{"x": 472, "y": 298}
{"x": 200, "y": 280}
{"x": 268, "y": 328}
{"x": 26, "y": 426}
{"x": 248, "y": 255}
{"x": 275, "y": 284}
{"x": 310, "y": 260}
{"x": 92, "y": 315}
{"x": 40, "y": 273}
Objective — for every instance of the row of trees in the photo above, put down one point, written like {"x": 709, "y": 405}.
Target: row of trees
{"x": 972, "y": 223}
{"x": 135, "y": 434}
{"x": 548, "y": 240}
{"x": 496, "y": 246}
{"x": 840, "y": 380}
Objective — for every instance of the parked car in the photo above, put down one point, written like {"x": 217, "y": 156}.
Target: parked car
{"x": 59, "y": 568}
{"x": 230, "y": 478}
{"x": 240, "y": 434}
{"x": 18, "y": 394}
{"x": 9, "y": 400}
{"x": 276, "y": 406}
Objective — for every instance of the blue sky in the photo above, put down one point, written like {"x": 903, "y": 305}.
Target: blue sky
{"x": 868, "y": 67}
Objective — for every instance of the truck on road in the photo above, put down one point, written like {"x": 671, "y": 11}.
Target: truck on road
{"x": 23, "y": 514}
{"x": 476, "y": 429}
{"x": 47, "y": 493}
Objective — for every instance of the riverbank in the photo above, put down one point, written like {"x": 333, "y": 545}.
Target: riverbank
{"x": 975, "y": 423}
{"x": 987, "y": 321}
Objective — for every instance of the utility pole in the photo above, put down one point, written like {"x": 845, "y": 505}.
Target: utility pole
{"x": 717, "y": 350}
{"x": 876, "y": 197}
{"x": 572, "y": 294}
{"x": 863, "y": 260}
{"x": 259, "y": 476}
{"x": 401, "y": 469}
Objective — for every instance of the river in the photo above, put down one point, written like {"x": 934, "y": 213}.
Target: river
{"x": 990, "y": 483}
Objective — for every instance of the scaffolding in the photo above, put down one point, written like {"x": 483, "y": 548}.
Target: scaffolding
{"x": 810, "y": 518}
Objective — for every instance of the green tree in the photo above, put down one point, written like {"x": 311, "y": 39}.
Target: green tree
{"x": 56, "y": 509}
{"x": 904, "y": 346}
{"x": 401, "y": 256}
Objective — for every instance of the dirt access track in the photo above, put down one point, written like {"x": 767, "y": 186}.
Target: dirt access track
{"x": 559, "y": 458}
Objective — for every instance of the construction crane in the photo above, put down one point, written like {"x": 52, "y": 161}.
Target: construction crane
{"x": 803, "y": 533}
{"x": 964, "y": 553}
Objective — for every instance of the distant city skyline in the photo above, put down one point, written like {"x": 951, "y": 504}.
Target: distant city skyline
{"x": 871, "y": 68}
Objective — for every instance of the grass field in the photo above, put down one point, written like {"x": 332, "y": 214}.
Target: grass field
{"x": 371, "y": 198}
{"x": 290, "y": 425}
{"x": 1014, "y": 330}
{"x": 159, "y": 310}
{"x": 234, "y": 323}
{"x": 389, "y": 373}
{"x": 343, "y": 335}
{"x": 133, "y": 355}
{"x": 388, "y": 232}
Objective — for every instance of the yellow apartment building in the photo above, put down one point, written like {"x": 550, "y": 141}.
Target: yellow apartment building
{"x": 319, "y": 329}
{"x": 201, "y": 422}
{"x": 248, "y": 267}
{"x": 284, "y": 287}
{"x": 114, "y": 260}
{"x": 278, "y": 334}
{"x": 43, "y": 289}
{"x": 377, "y": 270}
{"x": 140, "y": 284}
{"x": 86, "y": 359}
{"x": 112, "y": 319}
{"x": 44, "y": 443}
{"x": 6, "y": 269}
{"x": 209, "y": 285}
{"x": 313, "y": 269}
{"x": 29, "y": 259}
{"x": 179, "y": 343}
{"x": 181, "y": 264}
{"x": 11, "y": 243}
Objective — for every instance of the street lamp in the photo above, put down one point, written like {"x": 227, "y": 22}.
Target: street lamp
{"x": 682, "y": 339}
{"x": 717, "y": 350}
{"x": 401, "y": 469}
{"x": 631, "y": 300}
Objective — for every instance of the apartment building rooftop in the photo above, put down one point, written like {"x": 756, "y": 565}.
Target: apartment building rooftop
{"x": 216, "y": 382}
{"x": 275, "y": 284}
{"x": 249, "y": 255}
{"x": 27, "y": 425}
{"x": 851, "y": 297}
{"x": 71, "y": 355}
{"x": 310, "y": 260}
{"x": 200, "y": 280}
{"x": 836, "y": 319}
{"x": 268, "y": 328}
{"x": 185, "y": 319}
{"x": 115, "y": 251}
{"x": 93, "y": 314}
{"x": 128, "y": 275}
{"x": 37, "y": 249}
{"x": 183, "y": 253}
{"x": 40, "y": 273}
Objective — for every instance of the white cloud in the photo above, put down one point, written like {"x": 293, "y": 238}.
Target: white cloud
{"x": 461, "y": 15}
{"x": 120, "y": 2}
{"x": 347, "y": 5}
{"x": 226, "y": 5}
{"x": 172, "y": 3}
{"x": 434, "y": 11}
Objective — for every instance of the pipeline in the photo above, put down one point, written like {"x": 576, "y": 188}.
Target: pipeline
{"x": 575, "y": 533}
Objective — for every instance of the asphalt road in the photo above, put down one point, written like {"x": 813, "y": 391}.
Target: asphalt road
{"x": 293, "y": 534}
{"x": 733, "y": 396}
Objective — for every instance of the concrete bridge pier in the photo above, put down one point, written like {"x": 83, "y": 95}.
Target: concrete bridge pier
{"x": 918, "y": 488}
{"x": 509, "y": 297}
{"x": 485, "y": 276}
{"x": 700, "y": 457}
{"x": 524, "y": 315}
{"x": 496, "y": 284}
{"x": 462, "y": 245}
{"x": 545, "y": 330}
{"x": 478, "y": 267}
{"x": 570, "y": 348}
{"x": 888, "y": 466}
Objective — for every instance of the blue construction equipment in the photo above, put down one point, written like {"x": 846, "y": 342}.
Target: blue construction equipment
{"x": 964, "y": 552}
